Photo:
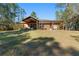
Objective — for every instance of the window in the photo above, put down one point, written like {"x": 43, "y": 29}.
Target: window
{"x": 41, "y": 26}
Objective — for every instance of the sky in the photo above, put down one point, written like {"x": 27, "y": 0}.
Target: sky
{"x": 43, "y": 10}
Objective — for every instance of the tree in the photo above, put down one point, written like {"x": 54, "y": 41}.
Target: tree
{"x": 59, "y": 14}
{"x": 33, "y": 14}
{"x": 67, "y": 14}
{"x": 20, "y": 14}
{"x": 8, "y": 13}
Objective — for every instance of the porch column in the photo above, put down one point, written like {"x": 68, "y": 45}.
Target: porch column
{"x": 37, "y": 24}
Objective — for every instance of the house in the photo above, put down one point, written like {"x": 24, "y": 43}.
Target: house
{"x": 31, "y": 22}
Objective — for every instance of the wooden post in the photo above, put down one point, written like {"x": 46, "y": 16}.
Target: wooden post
{"x": 37, "y": 24}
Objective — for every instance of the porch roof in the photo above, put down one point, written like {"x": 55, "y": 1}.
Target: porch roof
{"x": 30, "y": 17}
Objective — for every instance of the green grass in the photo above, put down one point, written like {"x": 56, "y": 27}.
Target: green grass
{"x": 39, "y": 42}
{"x": 11, "y": 39}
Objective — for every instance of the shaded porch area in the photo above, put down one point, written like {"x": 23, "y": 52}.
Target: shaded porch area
{"x": 31, "y": 22}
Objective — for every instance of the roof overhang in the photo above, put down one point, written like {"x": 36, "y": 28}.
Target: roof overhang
{"x": 30, "y": 18}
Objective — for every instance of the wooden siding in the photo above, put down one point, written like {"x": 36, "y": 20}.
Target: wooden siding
{"x": 44, "y": 24}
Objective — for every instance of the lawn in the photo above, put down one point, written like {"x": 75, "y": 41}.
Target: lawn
{"x": 10, "y": 39}
{"x": 39, "y": 43}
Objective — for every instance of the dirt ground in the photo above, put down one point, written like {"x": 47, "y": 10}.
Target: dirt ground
{"x": 65, "y": 38}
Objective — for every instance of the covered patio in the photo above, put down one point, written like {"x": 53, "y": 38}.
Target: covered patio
{"x": 31, "y": 22}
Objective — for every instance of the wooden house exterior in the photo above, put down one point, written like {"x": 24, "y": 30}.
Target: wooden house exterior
{"x": 31, "y": 22}
{"x": 34, "y": 23}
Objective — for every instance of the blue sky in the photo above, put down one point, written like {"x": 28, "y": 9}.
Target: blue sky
{"x": 43, "y": 10}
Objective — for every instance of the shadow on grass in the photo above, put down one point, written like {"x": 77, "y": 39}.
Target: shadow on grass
{"x": 76, "y": 38}
{"x": 12, "y": 32}
{"x": 7, "y": 43}
{"x": 41, "y": 46}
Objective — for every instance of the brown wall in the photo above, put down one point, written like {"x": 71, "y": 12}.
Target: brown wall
{"x": 47, "y": 26}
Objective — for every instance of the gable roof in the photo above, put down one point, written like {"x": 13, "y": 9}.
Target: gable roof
{"x": 29, "y": 18}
